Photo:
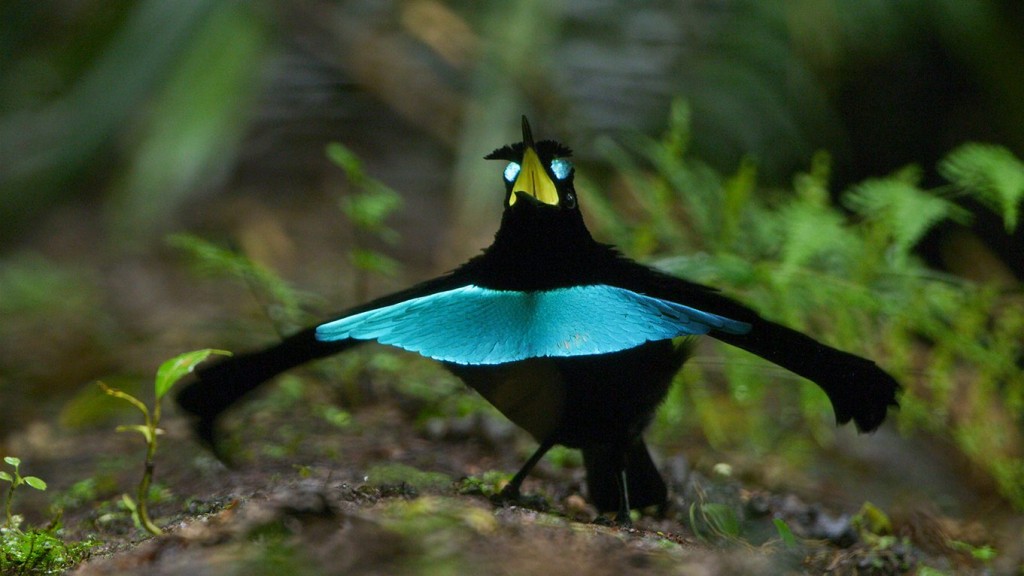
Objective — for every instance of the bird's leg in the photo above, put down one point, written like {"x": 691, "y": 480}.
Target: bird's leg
{"x": 622, "y": 517}
{"x": 511, "y": 490}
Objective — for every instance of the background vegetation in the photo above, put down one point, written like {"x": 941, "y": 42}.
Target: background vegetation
{"x": 852, "y": 169}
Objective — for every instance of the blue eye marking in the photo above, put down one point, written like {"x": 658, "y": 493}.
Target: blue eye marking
{"x": 561, "y": 168}
{"x": 511, "y": 171}
{"x": 474, "y": 325}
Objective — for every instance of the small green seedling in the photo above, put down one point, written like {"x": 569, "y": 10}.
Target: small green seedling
{"x": 166, "y": 376}
{"x": 785, "y": 533}
{"x": 34, "y": 550}
{"x": 16, "y": 480}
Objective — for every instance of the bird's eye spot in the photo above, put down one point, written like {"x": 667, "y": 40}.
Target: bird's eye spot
{"x": 561, "y": 168}
{"x": 511, "y": 171}
{"x": 570, "y": 200}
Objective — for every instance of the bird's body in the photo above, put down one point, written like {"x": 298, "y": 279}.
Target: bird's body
{"x": 569, "y": 339}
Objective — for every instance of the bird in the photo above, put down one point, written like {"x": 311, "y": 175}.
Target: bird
{"x": 571, "y": 340}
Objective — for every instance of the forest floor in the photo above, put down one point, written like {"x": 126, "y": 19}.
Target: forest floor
{"x": 376, "y": 492}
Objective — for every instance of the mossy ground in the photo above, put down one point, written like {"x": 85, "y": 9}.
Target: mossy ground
{"x": 385, "y": 495}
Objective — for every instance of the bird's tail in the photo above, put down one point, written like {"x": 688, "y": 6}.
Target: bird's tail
{"x": 858, "y": 388}
{"x": 644, "y": 484}
{"x": 217, "y": 386}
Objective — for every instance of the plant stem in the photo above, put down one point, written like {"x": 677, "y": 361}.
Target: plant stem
{"x": 7, "y": 505}
{"x": 142, "y": 497}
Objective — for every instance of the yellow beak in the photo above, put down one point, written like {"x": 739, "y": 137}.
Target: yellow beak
{"x": 534, "y": 180}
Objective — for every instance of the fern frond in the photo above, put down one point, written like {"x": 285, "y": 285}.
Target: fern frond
{"x": 990, "y": 173}
{"x": 208, "y": 258}
{"x": 904, "y": 211}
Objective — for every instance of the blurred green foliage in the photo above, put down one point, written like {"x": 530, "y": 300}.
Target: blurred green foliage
{"x": 143, "y": 105}
{"x": 367, "y": 210}
{"x": 33, "y": 286}
{"x": 173, "y": 79}
{"x": 197, "y": 119}
{"x": 283, "y": 304}
{"x": 990, "y": 173}
{"x": 56, "y": 330}
{"x": 846, "y": 273}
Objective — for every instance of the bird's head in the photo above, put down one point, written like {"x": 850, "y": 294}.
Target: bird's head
{"x": 538, "y": 174}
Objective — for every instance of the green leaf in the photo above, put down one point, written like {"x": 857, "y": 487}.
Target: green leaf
{"x": 812, "y": 186}
{"x": 375, "y": 262}
{"x": 35, "y": 482}
{"x": 905, "y": 211}
{"x": 208, "y": 258}
{"x": 128, "y": 502}
{"x": 872, "y": 520}
{"x": 983, "y": 553}
{"x": 13, "y": 461}
{"x": 126, "y": 397}
{"x": 992, "y": 174}
{"x": 722, "y": 519}
{"x": 677, "y": 138}
{"x": 737, "y": 191}
{"x": 198, "y": 114}
{"x": 812, "y": 235}
{"x": 369, "y": 210}
{"x": 335, "y": 416}
{"x": 347, "y": 161}
{"x": 5, "y": 476}
{"x": 788, "y": 539}
{"x": 178, "y": 367}
{"x": 140, "y": 428}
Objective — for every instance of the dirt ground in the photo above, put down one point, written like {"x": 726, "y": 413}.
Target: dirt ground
{"x": 376, "y": 492}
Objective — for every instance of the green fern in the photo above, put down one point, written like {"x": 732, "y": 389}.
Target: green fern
{"x": 851, "y": 279}
{"x": 283, "y": 303}
{"x": 992, "y": 174}
{"x": 902, "y": 211}
{"x": 367, "y": 210}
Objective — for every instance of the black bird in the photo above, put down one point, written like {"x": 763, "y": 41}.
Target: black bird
{"x": 569, "y": 339}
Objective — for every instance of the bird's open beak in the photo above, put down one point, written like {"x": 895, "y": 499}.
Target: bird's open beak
{"x": 533, "y": 178}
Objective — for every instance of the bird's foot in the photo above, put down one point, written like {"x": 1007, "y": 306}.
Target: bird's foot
{"x": 624, "y": 521}
{"x": 511, "y": 496}
{"x": 618, "y": 521}
{"x": 510, "y": 493}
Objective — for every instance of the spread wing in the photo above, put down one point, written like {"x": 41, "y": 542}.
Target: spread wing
{"x": 474, "y": 325}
